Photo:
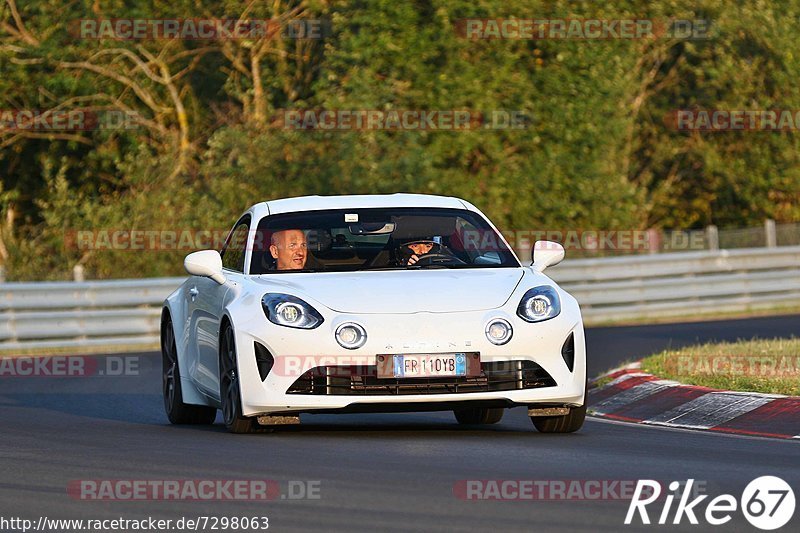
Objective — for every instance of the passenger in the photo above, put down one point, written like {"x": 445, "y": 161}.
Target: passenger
{"x": 289, "y": 248}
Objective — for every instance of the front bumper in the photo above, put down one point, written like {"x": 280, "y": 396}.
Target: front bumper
{"x": 295, "y": 351}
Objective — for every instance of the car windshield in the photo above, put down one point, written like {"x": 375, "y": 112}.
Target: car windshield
{"x": 353, "y": 240}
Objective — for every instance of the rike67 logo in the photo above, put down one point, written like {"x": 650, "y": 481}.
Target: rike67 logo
{"x": 767, "y": 503}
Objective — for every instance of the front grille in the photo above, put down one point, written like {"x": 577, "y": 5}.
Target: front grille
{"x": 363, "y": 380}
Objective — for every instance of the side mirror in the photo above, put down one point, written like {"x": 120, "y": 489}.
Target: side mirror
{"x": 206, "y": 263}
{"x": 546, "y": 254}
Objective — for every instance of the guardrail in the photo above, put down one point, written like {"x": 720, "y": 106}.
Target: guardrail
{"x": 126, "y": 312}
{"x": 81, "y": 314}
{"x": 675, "y": 285}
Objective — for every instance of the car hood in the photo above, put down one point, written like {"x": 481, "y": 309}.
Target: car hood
{"x": 405, "y": 291}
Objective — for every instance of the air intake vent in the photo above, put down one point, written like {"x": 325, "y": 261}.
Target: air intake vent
{"x": 264, "y": 360}
{"x": 568, "y": 351}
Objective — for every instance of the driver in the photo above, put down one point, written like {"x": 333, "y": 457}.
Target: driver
{"x": 289, "y": 248}
{"x": 419, "y": 249}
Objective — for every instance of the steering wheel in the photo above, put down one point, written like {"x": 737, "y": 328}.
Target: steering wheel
{"x": 434, "y": 259}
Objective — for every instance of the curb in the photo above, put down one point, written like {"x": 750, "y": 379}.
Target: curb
{"x": 635, "y": 396}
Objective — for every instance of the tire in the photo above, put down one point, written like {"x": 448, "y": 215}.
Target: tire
{"x": 479, "y": 415}
{"x": 561, "y": 424}
{"x": 177, "y": 411}
{"x": 568, "y": 423}
{"x": 230, "y": 393}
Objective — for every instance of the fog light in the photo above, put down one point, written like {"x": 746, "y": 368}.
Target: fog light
{"x": 499, "y": 331}
{"x": 351, "y": 336}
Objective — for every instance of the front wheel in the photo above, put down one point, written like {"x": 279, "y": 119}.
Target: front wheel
{"x": 569, "y": 423}
{"x": 230, "y": 392}
{"x": 478, "y": 415}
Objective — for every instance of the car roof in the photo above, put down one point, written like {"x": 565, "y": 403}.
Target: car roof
{"x": 363, "y": 201}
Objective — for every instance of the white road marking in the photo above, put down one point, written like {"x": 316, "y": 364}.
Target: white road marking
{"x": 709, "y": 410}
{"x": 624, "y": 377}
{"x": 633, "y": 394}
{"x": 685, "y": 431}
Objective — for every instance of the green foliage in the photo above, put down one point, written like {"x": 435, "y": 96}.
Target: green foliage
{"x": 596, "y": 152}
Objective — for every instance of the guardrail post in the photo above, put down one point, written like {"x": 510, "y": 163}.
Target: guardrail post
{"x": 769, "y": 229}
{"x": 77, "y": 273}
{"x": 653, "y": 241}
{"x": 712, "y": 237}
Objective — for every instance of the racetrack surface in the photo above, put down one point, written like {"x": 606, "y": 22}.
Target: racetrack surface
{"x": 376, "y": 472}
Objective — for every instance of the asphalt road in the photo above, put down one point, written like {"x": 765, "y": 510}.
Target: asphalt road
{"x": 373, "y": 472}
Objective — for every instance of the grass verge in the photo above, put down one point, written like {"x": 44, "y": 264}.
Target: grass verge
{"x": 700, "y": 316}
{"x": 769, "y": 366}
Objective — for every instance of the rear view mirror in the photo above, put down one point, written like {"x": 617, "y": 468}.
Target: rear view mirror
{"x": 371, "y": 228}
{"x": 546, "y": 254}
{"x": 206, "y": 263}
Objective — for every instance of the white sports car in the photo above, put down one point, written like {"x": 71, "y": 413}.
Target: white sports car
{"x": 376, "y": 303}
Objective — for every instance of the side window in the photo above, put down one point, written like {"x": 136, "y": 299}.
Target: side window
{"x": 235, "y": 247}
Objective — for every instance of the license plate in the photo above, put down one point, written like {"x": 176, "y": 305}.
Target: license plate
{"x": 428, "y": 365}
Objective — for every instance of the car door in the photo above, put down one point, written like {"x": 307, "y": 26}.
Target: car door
{"x": 208, "y": 306}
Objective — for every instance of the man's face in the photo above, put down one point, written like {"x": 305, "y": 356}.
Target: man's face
{"x": 421, "y": 248}
{"x": 289, "y": 249}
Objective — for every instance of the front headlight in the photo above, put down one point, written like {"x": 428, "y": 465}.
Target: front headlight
{"x": 290, "y": 311}
{"x": 538, "y": 304}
